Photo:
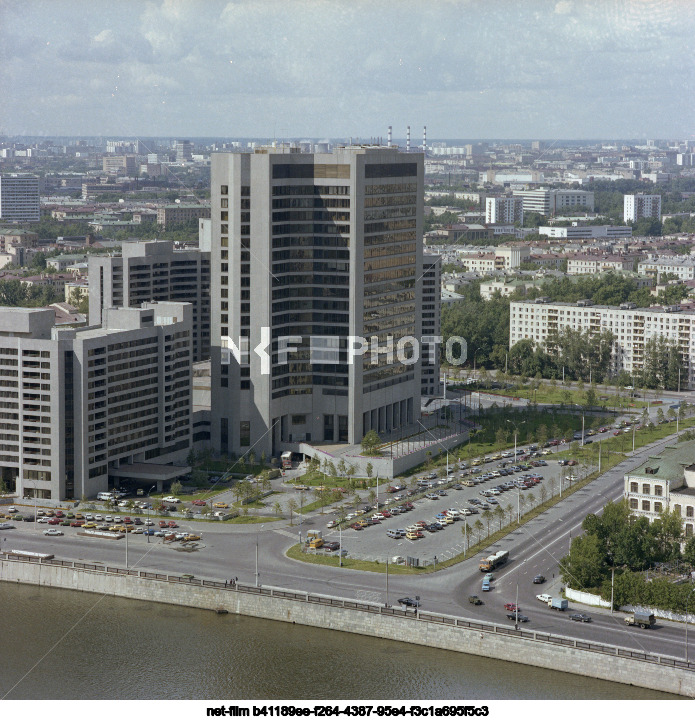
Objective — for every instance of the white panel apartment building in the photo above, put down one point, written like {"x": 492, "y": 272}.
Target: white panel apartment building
{"x": 507, "y": 209}
{"x": 638, "y": 206}
{"x": 550, "y": 202}
{"x": 78, "y": 404}
{"x": 630, "y": 325}
{"x": 583, "y": 232}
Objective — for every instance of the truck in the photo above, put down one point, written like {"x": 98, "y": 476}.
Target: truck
{"x": 491, "y": 562}
{"x": 559, "y": 604}
{"x": 643, "y": 619}
{"x": 286, "y": 459}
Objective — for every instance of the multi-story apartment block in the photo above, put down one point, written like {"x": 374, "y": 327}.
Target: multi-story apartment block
{"x": 431, "y": 322}
{"x": 683, "y": 268}
{"x": 19, "y": 197}
{"x": 639, "y": 205}
{"x": 153, "y": 271}
{"x": 119, "y": 164}
{"x": 507, "y": 209}
{"x": 581, "y": 232}
{"x": 549, "y": 202}
{"x": 181, "y": 213}
{"x": 632, "y": 327}
{"x": 79, "y": 406}
{"x": 310, "y": 252}
{"x": 665, "y": 482}
{"x": 503, "y": 258}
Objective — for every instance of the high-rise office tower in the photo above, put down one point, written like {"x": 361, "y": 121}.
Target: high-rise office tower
{"x": 309, "y": 252}
{"x": 19, "y": 197}
{"x": 184, "y": 150}
{"x": 153, "y": 271}
{"x": 431, "y": 322}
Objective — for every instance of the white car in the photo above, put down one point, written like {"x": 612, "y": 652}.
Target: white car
{"x": 331, "y": 524}
{"x": 52, "y": 532}
{"x": 12, "y": 509}
{"x": 137, "y": 530}
{"x": 149, "y": 523}
{"x": 453, "y": 511}
{"x": 544, "y": 597}
{"x": 171, "y": 499}
{"x": 43, "y": 519}
{"x": 98, "y": 517}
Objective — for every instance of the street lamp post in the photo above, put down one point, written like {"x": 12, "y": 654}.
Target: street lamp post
{"x": 149, "y": 503}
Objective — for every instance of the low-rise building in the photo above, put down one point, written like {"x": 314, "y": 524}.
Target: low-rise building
{"x": 665, "y": 482}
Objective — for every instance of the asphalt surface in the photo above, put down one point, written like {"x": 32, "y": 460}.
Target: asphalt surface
{"x": 226, "y": 552}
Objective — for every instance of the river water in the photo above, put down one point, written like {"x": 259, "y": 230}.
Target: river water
{"x": 59, "y": 644}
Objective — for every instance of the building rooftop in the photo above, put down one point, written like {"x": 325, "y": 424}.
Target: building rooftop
{"x": 669, "y": 464}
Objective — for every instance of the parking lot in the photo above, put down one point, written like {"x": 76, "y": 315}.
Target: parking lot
{"x": 445, "y": 505}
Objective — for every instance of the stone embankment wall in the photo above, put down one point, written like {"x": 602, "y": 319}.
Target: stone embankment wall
{"x": 558, "y": 653}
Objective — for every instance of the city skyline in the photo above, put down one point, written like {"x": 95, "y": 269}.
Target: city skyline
{"x": 547, "y": 69}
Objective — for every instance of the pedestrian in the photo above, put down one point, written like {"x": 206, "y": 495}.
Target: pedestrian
{"x": 225, "y": 583}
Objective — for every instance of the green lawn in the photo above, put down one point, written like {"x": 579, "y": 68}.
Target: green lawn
{"x": 549, "y": 395}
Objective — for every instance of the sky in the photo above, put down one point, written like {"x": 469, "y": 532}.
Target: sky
{"x": 527, "y": 69}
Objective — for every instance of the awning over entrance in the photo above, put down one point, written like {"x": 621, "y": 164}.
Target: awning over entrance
{"x": 149, "y": 472}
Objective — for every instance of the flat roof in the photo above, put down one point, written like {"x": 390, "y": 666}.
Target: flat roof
{"x": 149, "y": 471}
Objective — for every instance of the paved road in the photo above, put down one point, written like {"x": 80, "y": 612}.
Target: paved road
{"x": 536, "y": 548}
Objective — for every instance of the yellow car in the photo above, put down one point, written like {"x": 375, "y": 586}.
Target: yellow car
{"x": 90, "y": 524}
{"x": 219, "y": 504}
{"x": 191, "y": 537}
{"x": 118, "y": 529}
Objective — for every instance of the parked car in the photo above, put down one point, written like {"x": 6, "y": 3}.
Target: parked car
{"x": 331, "y": 546}
{"x": 199, "y": 502}
{"x": 52, "y": 532}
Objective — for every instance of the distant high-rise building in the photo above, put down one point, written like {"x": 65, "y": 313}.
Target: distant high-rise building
{"x": 119, "y": 164}
{"x": 310, "y": 252}
{"x": 184, "y": 150}
{"x": 507, "y": 209}
{"x": 19, "y": 198}
{"x": 153, "y": 271}
{"x": 639, "y": 205}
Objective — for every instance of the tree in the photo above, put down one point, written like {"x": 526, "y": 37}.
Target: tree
{"x": 585, "y": 565}
{"x": 342, "y": 467}
{"x": 488, "y": 518}
{"x": 591, "y": 397}
{"x": 176, "y": 488}
{"x": 499, "y": 514}
{"x": 689, "y": 551}
{"x": 371, "y": 443}
{"x": 39, "y": 261}
{"x": 479, "y": 527}
{"x": 277, "y": 508}
{"x": 370, "y": 470}
{"x": 509, "y": 509}
{"x": 292, "y": 507}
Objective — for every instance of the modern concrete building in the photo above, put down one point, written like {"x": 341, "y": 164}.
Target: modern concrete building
{"x": 583, "y": 264}
{"x": 431, "y": 322}
{"x": 640, "y": 205}
{"x": 309, "y": 252}
{"x": 19, "y": 197}
{"x": 665, "y": 482}
{"x": 119, "y": 164}
{"x": 80, "y": 406}
{"x": 153, "y": 271}
{"x": 550, "y": 202}
{"x": 632, "y": 327}
{"x": 506, "y": 209}
{"x": 184, "y": 151}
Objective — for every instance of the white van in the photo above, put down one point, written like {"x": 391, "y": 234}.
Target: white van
{"x": 105, "y": 496}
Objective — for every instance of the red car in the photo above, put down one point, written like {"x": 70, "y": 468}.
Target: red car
{"x": 76, "y": 524}
{"x": 173, "y": 524}
{"x": 127, "y": 519}
{"x": 385, "y": 514}
{"x": 59, "y": 514}
{"x": 54, "y": 521}
{"x": 391, "y": 489}
{"x": 199, "y": 502}
{"x": 162, "y": 524}
{"x": 511, "y": 607}
{"x": 357, "y": 526}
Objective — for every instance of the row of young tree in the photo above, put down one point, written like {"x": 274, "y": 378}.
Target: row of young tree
{"x": 618, "y": 542}
{"x": 569, "y": 353}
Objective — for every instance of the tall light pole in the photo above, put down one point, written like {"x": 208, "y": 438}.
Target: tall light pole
{"x": 686, "y": 625}
{"x": 149, "y": 503}
{"x": 257, "y": 578}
